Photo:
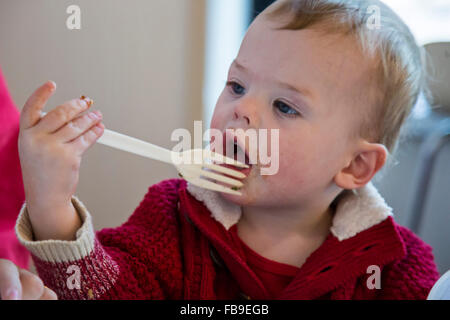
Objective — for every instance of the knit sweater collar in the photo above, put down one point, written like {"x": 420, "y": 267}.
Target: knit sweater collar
{"x": 355, "y": 212}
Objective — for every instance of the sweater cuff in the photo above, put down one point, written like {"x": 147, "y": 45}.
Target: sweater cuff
{"x": 58, "y": 250}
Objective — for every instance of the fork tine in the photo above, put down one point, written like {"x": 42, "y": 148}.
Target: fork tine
{"x": 222, "y": 159}
{"x": 228, "y": 171}
{"x": 221, "y": 178}
{"x": 212, "y": 186}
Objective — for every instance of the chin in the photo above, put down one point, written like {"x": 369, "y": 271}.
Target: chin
{"x": 239, "y": 200}
{"x": 249, "y": 195}
{"x": 255, "y": 190}
{"x": 242, "y": 201}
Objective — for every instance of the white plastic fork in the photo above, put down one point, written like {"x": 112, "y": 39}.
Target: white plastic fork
{"x": 195, "y": 171}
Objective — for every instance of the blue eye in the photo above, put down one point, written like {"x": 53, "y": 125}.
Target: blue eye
{"x": 236, "y": 87}
{"x": 285, "y": 109}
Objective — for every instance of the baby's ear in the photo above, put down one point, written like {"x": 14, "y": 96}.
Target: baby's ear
{"x": 369, "y": 159}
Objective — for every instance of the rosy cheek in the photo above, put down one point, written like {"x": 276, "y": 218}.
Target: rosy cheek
{"x": 292, "y": 161}
{"x": 287, "y": 153}
{"x": 284, "y": 166}
{"x": 215, "y": 119}
{"x": 218, "y": 119}
{"x": 218, "y": 122}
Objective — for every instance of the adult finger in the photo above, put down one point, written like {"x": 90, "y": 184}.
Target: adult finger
{"x": 31, "y": 112}
{"x": 10, "y": 287}
{"x": 32, "y": 285}
{"x": 48, "y": 294}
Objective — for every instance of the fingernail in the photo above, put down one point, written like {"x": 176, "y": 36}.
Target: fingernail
{"x": 88, "y": 101}
{"x": 53, "y": 85}
{"x": 93, "y": 115}
{"x": 98, "y": 113}
{"x": 98, "y": 128}
{"x": 83, "y": 98}
{"x": 12, "y": 294}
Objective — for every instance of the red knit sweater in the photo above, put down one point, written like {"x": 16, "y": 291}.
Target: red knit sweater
{"x": 274, "y": 275}
{"x": 171, "y": 248}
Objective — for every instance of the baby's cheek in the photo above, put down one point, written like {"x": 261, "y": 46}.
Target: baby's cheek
{"x": 215, "y": 122}
{"x": 282, "y": 188}
{"x": 290, "y": 171}
{"x": 296, "y": 165}
{"x": 221, "y": 115}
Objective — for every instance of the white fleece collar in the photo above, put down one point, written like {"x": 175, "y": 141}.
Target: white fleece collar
{"x": 355, "y": 212}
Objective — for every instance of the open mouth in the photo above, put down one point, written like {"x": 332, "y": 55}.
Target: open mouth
{"x": 234, "y": 149}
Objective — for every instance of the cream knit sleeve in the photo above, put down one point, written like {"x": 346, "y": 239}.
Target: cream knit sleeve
{"x": 58, "y": 250}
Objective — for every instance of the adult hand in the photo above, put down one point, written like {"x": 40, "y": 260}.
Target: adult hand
{"x": 21, "y": 284}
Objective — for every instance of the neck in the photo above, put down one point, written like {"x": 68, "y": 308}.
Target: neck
{"x": 279, "y": 223}
{"x": 285, "y": 235}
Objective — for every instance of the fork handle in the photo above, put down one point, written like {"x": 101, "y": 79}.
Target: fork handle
{"x": 123, "y": 142}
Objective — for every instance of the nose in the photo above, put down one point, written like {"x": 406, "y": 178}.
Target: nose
{"x": 245, "y": 113}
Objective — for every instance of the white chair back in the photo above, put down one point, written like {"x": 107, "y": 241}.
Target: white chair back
{"x": 441, "y": 289}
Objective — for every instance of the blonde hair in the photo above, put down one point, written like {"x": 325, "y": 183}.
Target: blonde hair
{"x": 399, "y": 70}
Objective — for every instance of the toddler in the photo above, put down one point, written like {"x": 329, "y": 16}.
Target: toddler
{"x": 338, "y": 88}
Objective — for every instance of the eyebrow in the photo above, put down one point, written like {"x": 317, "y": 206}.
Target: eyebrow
{"x": 282, "y": 84}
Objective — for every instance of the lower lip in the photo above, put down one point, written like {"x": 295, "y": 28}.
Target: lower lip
{"x": 245, "y": 171}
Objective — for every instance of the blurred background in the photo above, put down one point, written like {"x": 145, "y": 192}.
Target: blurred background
{"x": 155, "y": 66}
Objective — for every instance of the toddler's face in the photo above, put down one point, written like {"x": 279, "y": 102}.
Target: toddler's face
{"x": 307, "y": 85}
